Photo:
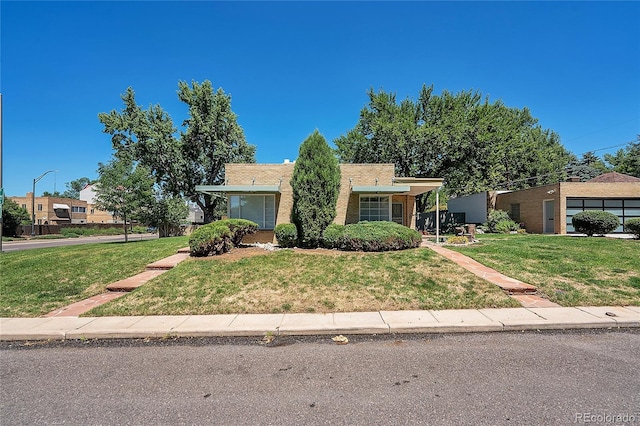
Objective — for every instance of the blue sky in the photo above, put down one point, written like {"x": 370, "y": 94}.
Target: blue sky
{"x": 292, "y": 67}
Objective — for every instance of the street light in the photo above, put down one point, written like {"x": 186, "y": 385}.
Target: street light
{"x": 33, "y": 202}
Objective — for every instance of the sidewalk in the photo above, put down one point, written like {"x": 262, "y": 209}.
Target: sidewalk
{"x": 384, "y": 322}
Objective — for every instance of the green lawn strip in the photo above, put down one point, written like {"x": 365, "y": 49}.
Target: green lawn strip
{"x": 288, "y": 281}
{"x": 35, "y": 282}
{"x": 571, "y": 271}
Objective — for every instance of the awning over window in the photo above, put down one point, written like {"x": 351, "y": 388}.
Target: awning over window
{"x": 241, "y": 189}
{"x": 380, "y": 189}
{"x": 401, "y": 185}
{"x": 60, "y": 206}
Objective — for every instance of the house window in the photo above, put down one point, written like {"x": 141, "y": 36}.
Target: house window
{"x": 625, "y": 209}
{"x": 515, "y": 212}
{"x": 78, "y": 209}
{"x": 260, "y": 209}
{"x": 24, "y": 206}
{"x": 375, "y": 208}
{"x": 39, "y": 207}
{"x": 93, "y": 211}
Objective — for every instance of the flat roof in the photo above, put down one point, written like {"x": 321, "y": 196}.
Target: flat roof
{"x": 380, "y": 189}
{"x": 262, "y": 189}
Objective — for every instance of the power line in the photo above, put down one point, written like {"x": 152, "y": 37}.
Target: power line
{"x": 608, "y": 147}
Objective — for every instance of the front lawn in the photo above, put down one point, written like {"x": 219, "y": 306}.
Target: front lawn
{"x": 571, "y": 271}
{"x": 310, "y": 281}
{"x": 35, "y": 282}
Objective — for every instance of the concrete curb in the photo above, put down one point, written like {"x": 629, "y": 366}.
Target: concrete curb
{"x": 384, "y": 322}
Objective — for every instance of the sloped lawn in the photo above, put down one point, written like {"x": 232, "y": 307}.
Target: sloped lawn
{"x": 571, "y": 271}
{"x": 310, "y": 281}
{"x": 35, "y": 282}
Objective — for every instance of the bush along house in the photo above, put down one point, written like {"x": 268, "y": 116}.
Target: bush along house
{"x": 262, "y": 193}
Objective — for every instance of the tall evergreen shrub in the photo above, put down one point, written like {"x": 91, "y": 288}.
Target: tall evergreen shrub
{"x": 316, "y": 185}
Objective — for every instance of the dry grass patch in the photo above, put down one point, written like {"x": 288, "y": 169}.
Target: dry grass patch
{"x": 309, "y": 281}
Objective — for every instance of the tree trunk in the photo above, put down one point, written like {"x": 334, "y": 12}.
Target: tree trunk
{"x": 126, "y": 236}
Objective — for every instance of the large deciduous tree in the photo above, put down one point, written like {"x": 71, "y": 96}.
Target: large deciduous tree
{"x": 12, "y": 216}
{"x": 75, "y": 186}
{"x": 316, "y": 185}
{"x": 125, "y": 189}
{"x": 472, "y": 143}
{"x": 167, "y": 213}
{"x": 211, "y": 137}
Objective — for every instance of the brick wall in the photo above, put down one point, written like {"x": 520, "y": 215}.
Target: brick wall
{"x": 347, "y": 207}
{"x": 274, "y": 174}
{"x": 531, "y": 206}
{"x": 531, "y": 200}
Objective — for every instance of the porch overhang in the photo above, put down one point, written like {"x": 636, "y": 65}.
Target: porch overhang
{"x": 238, "y": 189}
{"x": 418, "y": 186}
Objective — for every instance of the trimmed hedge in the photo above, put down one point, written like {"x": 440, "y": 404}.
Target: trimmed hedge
{"x": 633, "y": 226}
{"x": 210, "y": 238}
{"x": 595, "y": 222}
{"x": 239, "y": 228}
{"x": 220, "y": 236}
{"x": 372, "y": 236}
{"x": 333, "y": 236}
{"x": 286, "y": 235}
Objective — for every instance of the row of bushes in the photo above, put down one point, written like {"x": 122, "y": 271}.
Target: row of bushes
{"x": 633, "y": 226}
{"x": 362, "y": 236}
{"x": 220, "y": 236}
{"x": 89, "y": 231}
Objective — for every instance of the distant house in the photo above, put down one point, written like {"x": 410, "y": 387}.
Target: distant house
{"x": 548, "y": 209}
{"x": 262, "y": 193}
{"x": 196, "y": 215}
{"x": 95, "y": 215}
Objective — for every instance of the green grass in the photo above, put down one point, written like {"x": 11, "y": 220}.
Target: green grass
{"x": 295, "y": 281}
{"x": 571, "y": 271}
{"x": 35, "y": 282}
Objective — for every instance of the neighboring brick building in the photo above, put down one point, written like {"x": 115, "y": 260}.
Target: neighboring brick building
{"x": 54, "y": 210}
{"x": 548, "y": 209}
{"x": 262, "y": 193}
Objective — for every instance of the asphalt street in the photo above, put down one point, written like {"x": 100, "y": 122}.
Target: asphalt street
{"x": 493, "y": 378}
{"x": 9, "y": 246}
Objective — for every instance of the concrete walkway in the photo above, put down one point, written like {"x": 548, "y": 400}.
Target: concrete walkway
{"x": 384, "y": 322}
{"x": 122, "y": 287}
{"x": 522, "y": 292}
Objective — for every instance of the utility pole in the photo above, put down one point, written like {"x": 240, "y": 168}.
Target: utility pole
{"x": 1, "y": 171}
{"x": 33, "y": 201}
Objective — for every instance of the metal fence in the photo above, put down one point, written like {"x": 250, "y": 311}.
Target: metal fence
{"x": 427, "y": 221}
